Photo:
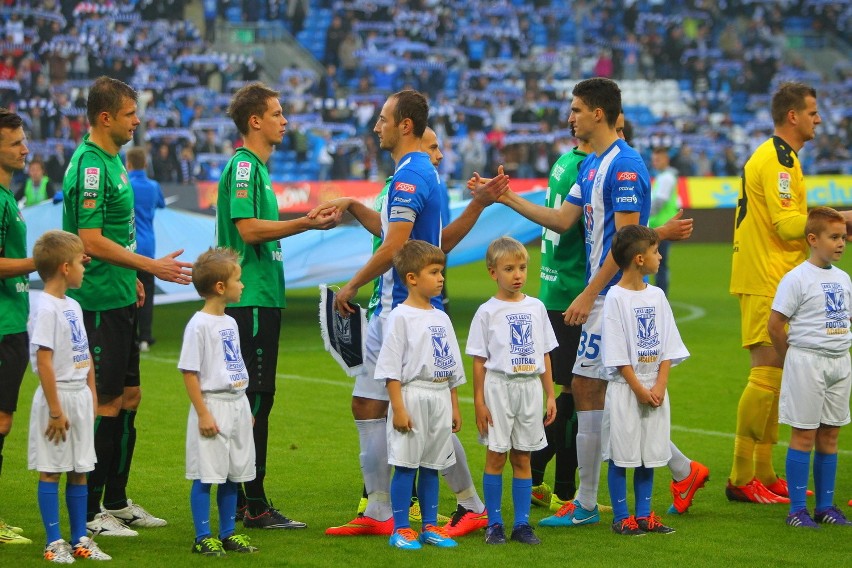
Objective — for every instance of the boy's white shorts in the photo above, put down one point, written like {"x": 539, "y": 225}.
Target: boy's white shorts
{"x": 429, "y": 443}
{"x": 634, "y": 434}
{"x": 589, "y": 362}
{"x": 815, "y": 389}
{"x": 515, "y": 405}
{"x": 365, "y": 385}
{"x": 229, "y": 455}
{"x": 77, "y": 452}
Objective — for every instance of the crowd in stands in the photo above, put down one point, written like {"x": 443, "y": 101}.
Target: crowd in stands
{"x": 696, "y": 76}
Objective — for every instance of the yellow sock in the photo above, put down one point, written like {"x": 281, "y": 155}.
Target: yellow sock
{"x": 757, "y": 423}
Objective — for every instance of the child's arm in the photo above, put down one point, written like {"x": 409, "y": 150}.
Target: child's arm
{"x": 58, "y": 424}
{"x": 483, "y": 415}
{"x": 206, "y": 423}
{"x": 547, "y": 385}
{"x": 778, "y": 332}
{"x": 457, "y": 418}
{"x": 90, "y": 382}
{"x": 401, "y": 421}
{"x": 643, "y": 395}
{"x": 659, "y": 388}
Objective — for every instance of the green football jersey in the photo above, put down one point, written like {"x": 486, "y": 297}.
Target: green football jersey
{"x": 98, "y": 196}
{"x": 563, "y": 256}
{"x": 14, "y": 297}
{"x": 381, "y": 201}
{"x": 245, "y": 192}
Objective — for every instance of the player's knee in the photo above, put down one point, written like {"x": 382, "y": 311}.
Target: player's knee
{"x": 520, "y": 460}
{"x": 494, "y": 461}
{"x": 753, "y": 413}
{"x": 109, "y": 405}
{"x": 5, "y": 423}
{"x": 826, "y": 439}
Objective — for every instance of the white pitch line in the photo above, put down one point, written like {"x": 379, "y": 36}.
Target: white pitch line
{"x": 466, "y": 399}
{"x": 693, "y": 312}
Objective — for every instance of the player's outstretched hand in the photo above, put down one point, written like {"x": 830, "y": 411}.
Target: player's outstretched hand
{"x": 489, "y": 191}
{"x": 170, "y": 269}
{"x": 579, "y": 310}
{"x": 340, "y": 204}
{"x": 550, "y": 412}
{"x": 324, "y": 220}
{"x": 483, "y": 419}
{"x": 207, "y": 425}
{"x": 677, "y": 228}
{"x": 342, "y": 298}
{"x": 402, "y": 421}
{"x": 56, "y": 428}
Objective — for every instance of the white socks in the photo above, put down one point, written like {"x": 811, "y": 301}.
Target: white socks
{"x": 589, "y": 456}
{"x": 460, "y": 481}
{"x": 374, "y": 467}
{"x": 679, "y": 464}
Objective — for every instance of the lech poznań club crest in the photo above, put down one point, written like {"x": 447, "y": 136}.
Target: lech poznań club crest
{"x": 441, "y": 347}
{"x": 231, "y": 347}
{"x": 520, "y": 326}
{"x": 835, "y": 305}
{"x": 342, "y": 327}
{"x": 78, "y": 340}
{"x": 646, "y": 323}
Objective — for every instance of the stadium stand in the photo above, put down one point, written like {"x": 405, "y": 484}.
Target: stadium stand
{"x": 695, "y": 75}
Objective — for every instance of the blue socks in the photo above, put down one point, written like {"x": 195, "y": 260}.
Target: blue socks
{"x": 48, "y": 506}
{"x": 226, "y": 500}
{"x": 617, "y": 480}
{"x": 199, "y": 502}
{"x": 825, "y": 473}
{"x": 521, "y": 500}
{"x": 643, "y": 486}
{"x": 400, "y": 494}
{"x": 797, "y": 467}
{"x": 492, "y": 490}
{"x": 427, "y": 491}
{"x": 75, "y": 499}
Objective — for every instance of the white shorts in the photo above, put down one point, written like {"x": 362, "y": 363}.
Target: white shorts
{"x": 429, "y": 443}
{"x": 634, "y": 434}
{"x": 589, "y": 362}
{"x": 229, "y": 455}
{"x": 815, "y": 389}
{"x": 365, "y": 385}
{"x": 516, "y": 410}
{"x": 77, "y": 452}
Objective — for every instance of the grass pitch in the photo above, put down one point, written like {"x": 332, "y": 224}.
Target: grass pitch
{"x": 313, "y": 471}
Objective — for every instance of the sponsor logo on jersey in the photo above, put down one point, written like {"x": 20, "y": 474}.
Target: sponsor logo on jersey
{"x": 124, "y": 177}
{"x": 243, "y": 171}
{"x": 92, "y": 178}
{"x": 406, "y": 187}
{"x": 557, "y": 172}
{"x": 646, "y": 323}
{"x": 441, "y": 351}
{"x": 231, "y": 347}
{"x": 783, "y": 182}
{"x": 520, "y": 329}
{"x": 627, "y": 199}
{"x": 626, "y": 176}
{"x": 242, "y": 193}
{"x": 89, "y": 204}
{"x": 588, "y": 219}
{"x": 592, "y": 173}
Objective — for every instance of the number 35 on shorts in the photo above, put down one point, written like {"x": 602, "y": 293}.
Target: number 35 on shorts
{"x": 590, "y": 346}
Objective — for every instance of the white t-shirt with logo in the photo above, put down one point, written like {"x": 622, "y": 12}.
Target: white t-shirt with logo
{"x": 513, "y": 337}
{"x": 211, "y": 348}
{"x": 639, "y": 330}
{"x": 420, "y": 345}
{"x": 817, "y": 301}
{"x": 57, "y": 324}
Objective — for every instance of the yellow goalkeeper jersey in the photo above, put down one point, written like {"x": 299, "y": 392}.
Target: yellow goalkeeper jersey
{"x": 769, "y": 237}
